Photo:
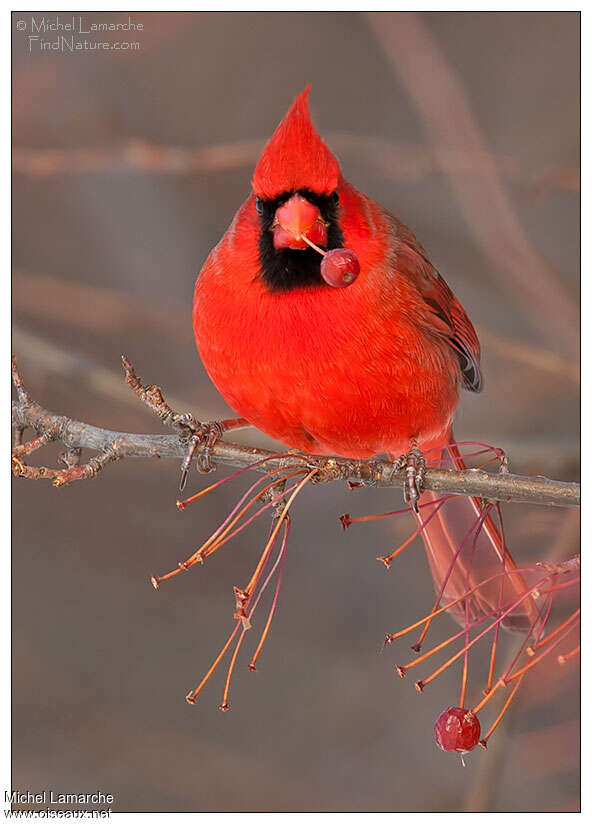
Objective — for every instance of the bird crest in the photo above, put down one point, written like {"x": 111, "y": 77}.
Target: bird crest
{"x": 296, "y": 157}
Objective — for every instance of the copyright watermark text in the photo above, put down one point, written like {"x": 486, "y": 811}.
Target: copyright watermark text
{"x": 78, "y": 34}
{"x": 50, "y": 804}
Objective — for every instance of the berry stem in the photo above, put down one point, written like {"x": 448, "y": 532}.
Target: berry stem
{"x": 221, "y": 541}
{"x": 530, "y": 650}
{"x": 465, "y": 672}
{"x": 499, "y": 683}
{"x": 561, "y": 659}
{"x": 182, "y": 504}
{"x": 214, "y": 541}
{"x": 221, "y": 535}
{"x": 282, "y": 559}
{"x": 313, "y": 245}
{"x": 463, "y": 688}
{"x": 560, "y": 586}
{"x": 194, "y": 693}
{"x": 495, "y": 640}
{"x": 500, "y": 598}
{"x": 475, "y": 526}
{"x": 523, "y": 645}
{"x": 457, "y": 655}
{"x": 224, "y": 705}
{"x": 280, "y": 520}
{"x": 501, "y": 713}
{"x": 246, "y": 624}
{"x": 571, "y": 624}
{"x": 394, "y": 635}
{"x": 198, "y": 555}
{"x": 388, "y": 558}
{"x": 406, "y": 511}
{"x": 499, "y": 452}
{"x": 419, "y": 659}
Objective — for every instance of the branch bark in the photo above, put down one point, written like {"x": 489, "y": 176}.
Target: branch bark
{"x": 112, "y": 446}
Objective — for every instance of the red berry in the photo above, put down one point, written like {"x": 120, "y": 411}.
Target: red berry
{"x": 340, "y": 267}
{"x": 457, "y": 729}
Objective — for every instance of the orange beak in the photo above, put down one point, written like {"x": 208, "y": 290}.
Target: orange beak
{"x": 298, "y": 217}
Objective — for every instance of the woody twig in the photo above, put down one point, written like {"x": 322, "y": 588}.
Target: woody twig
{"x": 113, "y": 446}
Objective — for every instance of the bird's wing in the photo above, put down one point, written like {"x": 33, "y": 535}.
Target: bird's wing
{"x": 443, "y": 315}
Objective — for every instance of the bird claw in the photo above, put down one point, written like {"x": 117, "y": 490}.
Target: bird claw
{"x": 208, "y": 434}
{"x": 415, "y": 465}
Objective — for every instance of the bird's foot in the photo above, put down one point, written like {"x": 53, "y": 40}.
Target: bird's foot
{"x": 198, "y": 433}
{"x": 413, "y": 462}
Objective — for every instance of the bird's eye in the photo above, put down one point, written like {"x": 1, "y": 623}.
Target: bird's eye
{"x": 259, "y": 205}
{"x": 334, "y": 196}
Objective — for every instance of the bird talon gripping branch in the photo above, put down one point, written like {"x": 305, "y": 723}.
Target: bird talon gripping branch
{"x": 207, "y": 434}
{"x": 415, "y": 465}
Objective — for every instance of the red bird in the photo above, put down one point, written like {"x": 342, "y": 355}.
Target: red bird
{"x": 372, "y": 368}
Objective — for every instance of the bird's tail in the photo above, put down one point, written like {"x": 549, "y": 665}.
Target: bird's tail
{"x": 465, "y": 548}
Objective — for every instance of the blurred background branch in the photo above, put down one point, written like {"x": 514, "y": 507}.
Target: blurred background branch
{"x": 439, "y": 96}
{"x": 398, "y": 161}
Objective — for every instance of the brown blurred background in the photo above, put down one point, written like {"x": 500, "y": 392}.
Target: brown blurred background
{"x": 128, "y": 167}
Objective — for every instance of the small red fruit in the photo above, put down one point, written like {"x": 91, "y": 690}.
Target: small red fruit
{"x": 340, "y": 267}
{"x": 457, "y": 730}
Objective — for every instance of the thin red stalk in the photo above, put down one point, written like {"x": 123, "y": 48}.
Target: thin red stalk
{"x": 546, "y": 618}
{"x": 464, "y": 680}
{"x": 250, "y": 491}
{"x": 560, "y": 586}
{"x": 488, "y": 696}
{"x": 489, "y": 732}
{"x": 495, "y": 639}
{"x": 540, "y": 657}
{"x": 530, "y": 649}
{"x": 465, "y": 673}
{"x": 363, "y": 518}
{"x": 224, "y": 706}
{"x": 537, "y": 646}
{"x": 194, "y": 693}
{"x": 502, "y": 682}
{"x": 182, "y": 504}
{"x": 490, "y": 461}
{"x": 260, "y": 511}
{"x": 221, "y": 536}
{"x": 280, "y": 520}
{"x": 267, "y": 627}
{"x": 421, "y": 684}
{"x": 475, "y": 526}
{"x": 531, "y": 631}
{"x": 487, "y": 447}
{"x": 424, "y": 656}
{"x": 228, "y": 520}
{"x": 389, "y": 558}
{"x": 500, "y": 599}
{"x": 394, "y": 635}
{"x": 561, "y": 659}
{"x": 478, "y": 452}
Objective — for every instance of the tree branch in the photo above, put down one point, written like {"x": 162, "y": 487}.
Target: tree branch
{"x": 112, "y": 446}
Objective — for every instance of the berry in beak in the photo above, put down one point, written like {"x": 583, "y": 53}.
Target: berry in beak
{"x": 298, "y": 217}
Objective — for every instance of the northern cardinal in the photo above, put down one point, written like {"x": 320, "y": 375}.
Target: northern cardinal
{"x": 355, "y": 372}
